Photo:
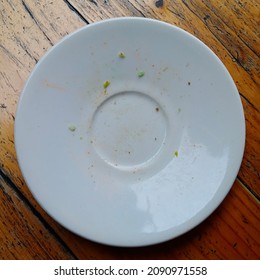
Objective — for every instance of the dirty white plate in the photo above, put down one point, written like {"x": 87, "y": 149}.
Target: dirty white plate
{"x": 130, "y": 132}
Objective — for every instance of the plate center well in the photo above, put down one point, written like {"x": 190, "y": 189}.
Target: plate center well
{"x": 128, "y": 129}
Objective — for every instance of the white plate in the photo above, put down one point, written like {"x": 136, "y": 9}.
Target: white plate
{"x": 144, "y": 159}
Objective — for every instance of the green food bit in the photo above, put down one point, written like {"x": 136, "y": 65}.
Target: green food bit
{"x": 121, "y": 55}
{"x": 176, "y": 153}
{"x": 140, "y": 74}
{"x": 72, "y": 127}
{"x": 106, "y": 84}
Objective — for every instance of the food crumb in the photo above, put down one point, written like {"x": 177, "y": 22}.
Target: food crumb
{"x": 188, "y": 83}
{"x": 72, "y": 127}
{"x": 140, "y": 74}
{"x": 176, "y": 153}
{"x": 121, "y": 55}
{"x": 157, "y": 109}
{"x": 106, "y": 84}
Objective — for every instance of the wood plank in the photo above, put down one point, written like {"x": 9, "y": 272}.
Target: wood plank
{"x": 22, "y": 234}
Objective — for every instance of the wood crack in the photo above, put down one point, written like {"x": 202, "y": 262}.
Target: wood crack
{"x": 72, "y": 8}
{"x": 37, "y": 23}
{"x": 22, "y": 45}
{"x": 11, "y": 56}
{"x": 243, "y": 184}
{"x": 136, "y": 9}
{"x": 94, "y": 2}
{"x": 7, "y": 81}
{"x": 248, "y": 101}
{"x": 177, "y": 14}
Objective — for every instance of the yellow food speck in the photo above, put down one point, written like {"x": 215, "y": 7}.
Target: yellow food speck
{"x": 140, "y": 74}
{"x": 106, "y": 84}
{"x": 121, "y": 55}
{"x": 176, "y": 153}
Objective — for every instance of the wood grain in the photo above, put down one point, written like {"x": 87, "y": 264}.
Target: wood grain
{"x": 249, "y": 172}
{"x": 242, "y": 48}
{"x": 29, "y": 28}
{"x": 22, "y": 234}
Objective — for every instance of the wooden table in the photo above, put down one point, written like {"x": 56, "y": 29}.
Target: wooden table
{"x": 29, "y": 28}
